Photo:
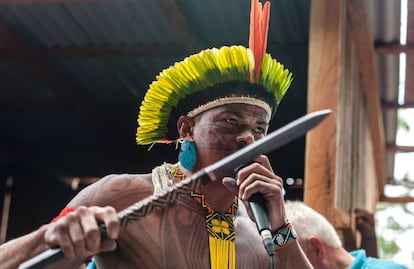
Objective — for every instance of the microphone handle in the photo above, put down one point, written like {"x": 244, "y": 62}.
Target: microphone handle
{"x": 259, "y": 210}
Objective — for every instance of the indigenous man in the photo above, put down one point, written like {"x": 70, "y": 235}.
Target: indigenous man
{"x": 213, "y": 103}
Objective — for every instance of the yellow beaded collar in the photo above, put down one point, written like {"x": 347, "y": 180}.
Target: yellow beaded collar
{"x": 220, "y": 227}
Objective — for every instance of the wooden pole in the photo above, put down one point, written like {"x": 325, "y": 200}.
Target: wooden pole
{"x": 323, "y": 90}
{"x": 6, "y": 209}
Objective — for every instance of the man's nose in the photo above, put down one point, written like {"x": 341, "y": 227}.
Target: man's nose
{"x": 245, "y": 138}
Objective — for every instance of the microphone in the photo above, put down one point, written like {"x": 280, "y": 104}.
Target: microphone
{"x": 259, "y": 211}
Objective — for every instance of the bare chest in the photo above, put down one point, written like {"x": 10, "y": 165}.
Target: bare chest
{"x": 178, "y": 238}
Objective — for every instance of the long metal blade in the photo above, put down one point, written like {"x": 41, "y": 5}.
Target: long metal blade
{"x": 269, "y": 143}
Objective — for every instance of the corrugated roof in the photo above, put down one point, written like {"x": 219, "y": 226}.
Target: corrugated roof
{"x": 73, "y": 73}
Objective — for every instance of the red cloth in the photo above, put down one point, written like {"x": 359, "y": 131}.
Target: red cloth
{"x": 63, "y": 213}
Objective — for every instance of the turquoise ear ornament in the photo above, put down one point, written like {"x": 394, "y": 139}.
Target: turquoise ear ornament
{"x": 187, "y": 156}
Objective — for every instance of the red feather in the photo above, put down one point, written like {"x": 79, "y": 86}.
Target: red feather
{"x": 259, "y": 26}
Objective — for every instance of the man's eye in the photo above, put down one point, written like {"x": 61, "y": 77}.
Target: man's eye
{"x": 259, "y": 130}
{"x": 231, "y": 121}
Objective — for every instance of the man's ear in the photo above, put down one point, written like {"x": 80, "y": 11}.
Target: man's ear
{"x": 316, "y": 252}
{"x": 316, "y": 247}
{"x": 185, "y": 126}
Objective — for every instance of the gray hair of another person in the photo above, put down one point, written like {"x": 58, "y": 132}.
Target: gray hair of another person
{"x": 308, "y": 222}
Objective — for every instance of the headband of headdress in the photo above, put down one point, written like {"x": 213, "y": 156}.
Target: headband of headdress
{"x": 211, "y": 78}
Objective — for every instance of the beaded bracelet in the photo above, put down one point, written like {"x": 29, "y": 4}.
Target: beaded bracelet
{"x": 284, "y": 236}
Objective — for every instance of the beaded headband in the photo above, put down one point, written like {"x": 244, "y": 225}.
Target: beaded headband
{"x": 211, "y": 78}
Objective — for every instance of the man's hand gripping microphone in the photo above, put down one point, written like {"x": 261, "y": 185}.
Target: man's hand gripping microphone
{"x": 259, "y": 210}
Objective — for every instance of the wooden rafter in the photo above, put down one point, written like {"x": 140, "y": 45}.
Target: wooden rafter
{"x": 395, "y": 148}
{"x": 388, "y": 105}
{"x": 394, "y": 48}
{"x": 406, "y": 183}
{"x": 402, "y": 200}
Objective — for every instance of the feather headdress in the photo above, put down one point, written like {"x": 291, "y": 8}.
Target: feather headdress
{"x": 213, "y": 77}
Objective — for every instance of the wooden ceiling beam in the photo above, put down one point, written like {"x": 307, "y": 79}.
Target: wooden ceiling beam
{"x": 393, "y": 48}
{"x": 397, "y": 148}
{"x": 364, "y": 46}
{"x": 401, "y": 200}
{"x": 408, "y": 183}
{"x": 394, "y": 106}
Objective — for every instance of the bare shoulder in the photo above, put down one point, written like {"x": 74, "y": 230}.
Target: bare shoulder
{"x": 117, "y": 190}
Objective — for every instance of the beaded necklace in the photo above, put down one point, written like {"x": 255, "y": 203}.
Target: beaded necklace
{"x": 220, "y": 228}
